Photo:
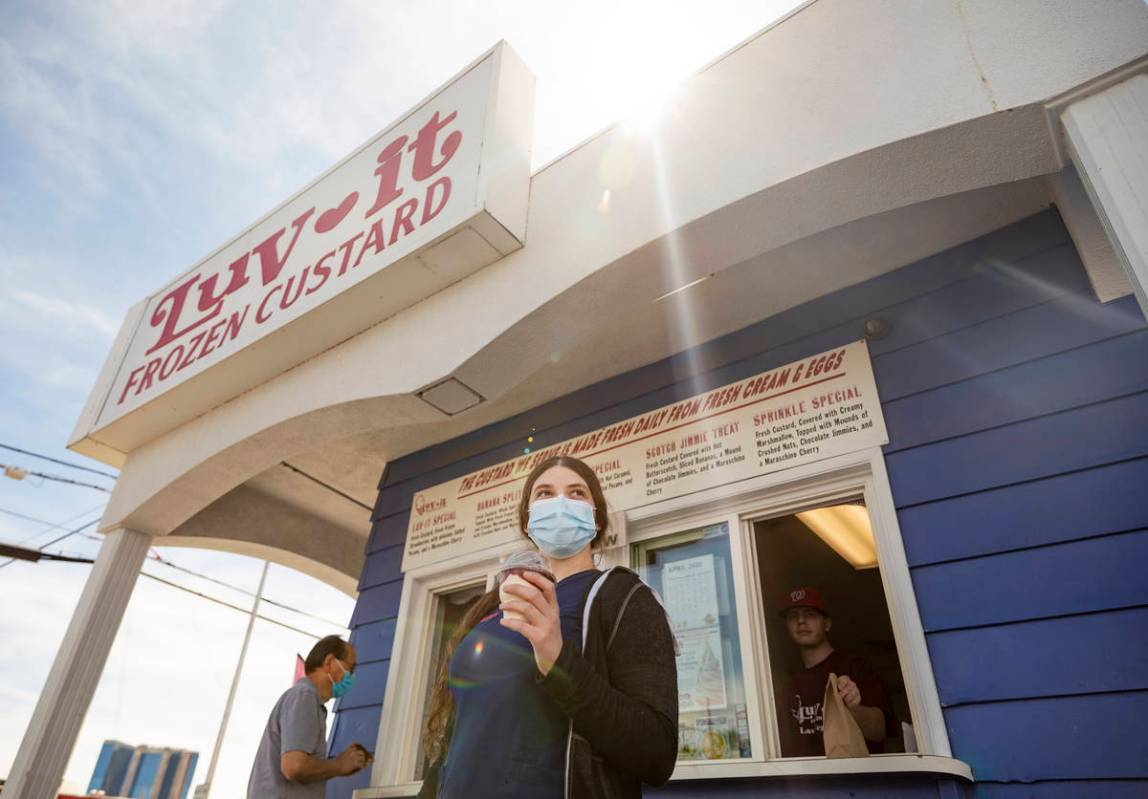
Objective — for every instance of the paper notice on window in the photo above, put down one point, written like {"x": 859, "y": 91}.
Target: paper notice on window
{"x": 689, "y": 589}
{"x": 701, "y": 671}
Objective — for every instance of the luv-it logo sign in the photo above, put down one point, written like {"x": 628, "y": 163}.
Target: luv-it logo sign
{"x": 306, "y": 255}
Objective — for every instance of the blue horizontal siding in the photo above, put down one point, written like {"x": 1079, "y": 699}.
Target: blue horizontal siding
{"x": 1104, "y": 370}
{"x": 1101, "y": 789}
{"x": 1094, "y": 653}
{"x": 374, "y": 641}
{"x": 381, "y": 566}
{"x": 1081, "y": 438}
{"x": 370, "y": 685}
{"x": 356, "y": 724}
{"x": 388, "y": 531}
{"x": 353, "y": 725}
{"x": 1037, "y": 332}
{"x": 1076, "y": 577}
{"x": 378, "y": 603}
{"x": 1106, "y": 499}
{"x": 345, "y": 787}
{"x": 996, "y": 290}
{"x": 1065, "y": 738}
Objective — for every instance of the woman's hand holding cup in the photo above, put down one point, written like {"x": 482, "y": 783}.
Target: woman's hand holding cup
{"x": 535, "y": 602}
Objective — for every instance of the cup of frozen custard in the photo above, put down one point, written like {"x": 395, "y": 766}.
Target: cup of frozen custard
{"x": 511, "y": 571}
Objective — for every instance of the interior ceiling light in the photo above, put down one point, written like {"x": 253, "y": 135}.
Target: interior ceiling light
{"x": 846, "y": 529}
{"x": 451, "y": 396}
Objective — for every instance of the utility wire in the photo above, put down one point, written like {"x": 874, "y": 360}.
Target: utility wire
{"x": 84, "y": 559}
{"x": 263, "y": 598}
{"x": 25, "y": 518}
{"x": 50, "y": 525}
{"x": 245, "y": 611}
{"x": 57, "y": 478}
{"x": 155, "y": 556}
{"x": 57, "y": 460}
{"x": 34, "y": 555}
{"x": 68, "y": 534}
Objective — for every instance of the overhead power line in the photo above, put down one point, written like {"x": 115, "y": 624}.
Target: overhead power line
{"x": 57, "y": 460}
{"x": 245, "y": 611}
{"x": 68, "y": 534}
{"x": 262, "y": 598}
{"x": 59, "y": 525}
{"x": 13, "y": 513}
{"x": 49, "y": 526}
{"x": 24, "y": 553}
{"x": 10, "y": 551}
{"x": 54, "y": 477}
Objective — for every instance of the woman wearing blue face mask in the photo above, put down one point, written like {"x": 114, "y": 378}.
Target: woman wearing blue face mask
{"x": 574, "y": 697}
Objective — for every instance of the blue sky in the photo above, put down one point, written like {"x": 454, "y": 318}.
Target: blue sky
{"x": 135, "y": 138}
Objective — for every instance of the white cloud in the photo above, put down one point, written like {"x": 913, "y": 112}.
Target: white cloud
{"x": 55, "y": 338}
{"x": 65, "y": 311}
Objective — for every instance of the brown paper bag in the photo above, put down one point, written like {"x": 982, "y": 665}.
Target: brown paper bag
{"x": 841, "y": 733}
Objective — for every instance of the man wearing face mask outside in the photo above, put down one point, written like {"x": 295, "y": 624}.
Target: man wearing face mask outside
{"x": 575, "y": 673}
{"x": 290, "y": 762}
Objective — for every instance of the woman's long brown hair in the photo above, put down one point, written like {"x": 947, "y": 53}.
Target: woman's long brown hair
{"x": 441, "y": 706}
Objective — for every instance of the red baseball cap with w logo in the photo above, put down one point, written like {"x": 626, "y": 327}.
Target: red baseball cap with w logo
{"x": 807, "y": 597}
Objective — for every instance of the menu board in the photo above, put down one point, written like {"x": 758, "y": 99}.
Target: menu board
{"x": 808, "y": 410}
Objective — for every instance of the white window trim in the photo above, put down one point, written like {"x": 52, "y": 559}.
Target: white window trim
{"x": 779, "y": 494}
{"x": 739, "y": 503}
{"x": 789, "y": 768}
{"x": 400, "y": 736}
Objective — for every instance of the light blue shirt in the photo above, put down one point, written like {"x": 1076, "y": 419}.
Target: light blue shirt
{"x": 298, "y": 722}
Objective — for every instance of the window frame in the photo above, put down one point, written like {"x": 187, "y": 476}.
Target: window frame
{"x": 400, "y": 733}
{"x": 848, "y": 476}
{"x": 781, "y": 493}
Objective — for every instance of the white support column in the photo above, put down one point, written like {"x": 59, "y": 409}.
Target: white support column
{"x": 51, "y": 734}
{"x": 1108, "y": 138}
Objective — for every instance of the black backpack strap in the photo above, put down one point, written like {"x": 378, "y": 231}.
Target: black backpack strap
{"x": 621, "y": 611}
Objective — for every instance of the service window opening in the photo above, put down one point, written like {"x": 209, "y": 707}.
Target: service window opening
{"x": 825, "y": 556}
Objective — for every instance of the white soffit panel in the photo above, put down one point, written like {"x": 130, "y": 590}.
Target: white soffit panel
{"x": 451, "y": 396}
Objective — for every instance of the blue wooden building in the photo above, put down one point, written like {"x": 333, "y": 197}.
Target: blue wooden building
{"x": 1017, "y": 410}
{"x": 943, "y": 207}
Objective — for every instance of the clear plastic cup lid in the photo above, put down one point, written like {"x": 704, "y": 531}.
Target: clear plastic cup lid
{"x": 525, "y": 560}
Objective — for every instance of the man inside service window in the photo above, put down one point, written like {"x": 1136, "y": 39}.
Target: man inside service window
{"x": 808, "y": 621}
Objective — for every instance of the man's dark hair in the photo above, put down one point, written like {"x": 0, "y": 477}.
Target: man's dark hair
{"x": 331, "y": 645}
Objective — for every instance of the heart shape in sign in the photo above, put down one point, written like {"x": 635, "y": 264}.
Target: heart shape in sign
{"x": 330, "y": 219}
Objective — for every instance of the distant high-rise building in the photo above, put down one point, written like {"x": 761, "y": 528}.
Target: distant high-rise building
{"x": 143, "y": 772}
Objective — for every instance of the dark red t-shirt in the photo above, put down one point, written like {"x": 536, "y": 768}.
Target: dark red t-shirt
{"x": 802, "y": 721}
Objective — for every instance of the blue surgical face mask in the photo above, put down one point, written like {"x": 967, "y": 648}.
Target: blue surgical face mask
{"x": 561, "y": 527}
{"x": 342, "y": 686}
